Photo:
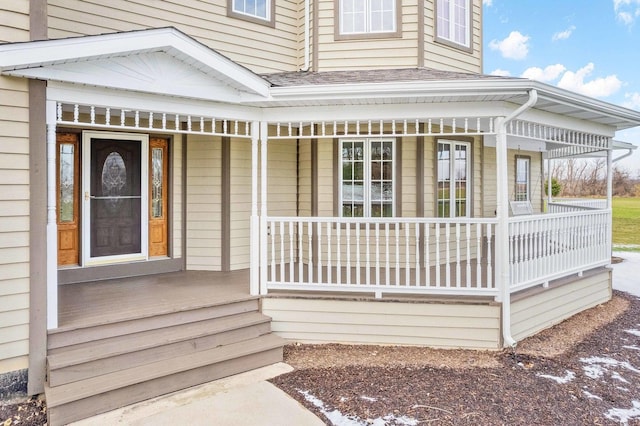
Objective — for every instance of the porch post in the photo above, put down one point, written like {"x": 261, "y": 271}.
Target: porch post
{"x": 549, "y": 188}
{"x": 264, "y": 136}
{"x": 52, "y": 227}
{"x": 609, "y": 175}
{"x": 502, "y": 213}
{"x": 254, "y": 232}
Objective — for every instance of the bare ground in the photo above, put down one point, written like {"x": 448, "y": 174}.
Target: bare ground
{"x": 594, "y": 352}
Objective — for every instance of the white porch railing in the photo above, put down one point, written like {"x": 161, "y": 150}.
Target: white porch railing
{"x": 381, "y": 255}
{"x": 549, "y": 246}
{"x": 561, "y": 205}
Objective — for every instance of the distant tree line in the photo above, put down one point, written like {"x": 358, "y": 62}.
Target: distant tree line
{"x": 588, "y": 178}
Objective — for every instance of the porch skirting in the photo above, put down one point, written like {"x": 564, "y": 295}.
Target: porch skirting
{"x": 438, "y": 323}
{"x": 537, "y": 309}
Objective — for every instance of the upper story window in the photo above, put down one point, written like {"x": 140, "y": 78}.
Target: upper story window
{"x": 260, "y": 11}
{"x": 453, "y": 22}
{"x": 367, "y": 178}
{"x": 367, "y": 17}
{"x": 454, "y": 169}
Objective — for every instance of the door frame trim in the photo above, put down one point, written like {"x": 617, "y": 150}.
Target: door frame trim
{"x": 143, "y": 139}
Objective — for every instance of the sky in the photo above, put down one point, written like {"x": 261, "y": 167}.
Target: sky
{"x": 588, "y": 46}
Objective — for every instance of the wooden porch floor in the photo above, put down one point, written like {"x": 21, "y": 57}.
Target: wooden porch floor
{"x": 101, "y": 302}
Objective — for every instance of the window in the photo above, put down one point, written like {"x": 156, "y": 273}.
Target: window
{"x": 367, "y": 16}
{"x": 454, "y": 167}
{"x": 453, "y": 22}
{"x": 523, "y": 178}
{"x": 366, "y": 177}
{"x": 260, "y": 11}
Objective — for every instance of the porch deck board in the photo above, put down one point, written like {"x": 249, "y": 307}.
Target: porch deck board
{"x": 103, "y": 302}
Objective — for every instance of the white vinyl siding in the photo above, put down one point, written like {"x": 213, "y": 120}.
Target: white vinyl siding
{"x": 259, "y": 47}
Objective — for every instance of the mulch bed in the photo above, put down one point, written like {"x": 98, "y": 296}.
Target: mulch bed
{"x": 511, "y": 393}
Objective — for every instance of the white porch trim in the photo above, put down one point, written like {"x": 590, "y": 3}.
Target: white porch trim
{"x": 52, "y": 226}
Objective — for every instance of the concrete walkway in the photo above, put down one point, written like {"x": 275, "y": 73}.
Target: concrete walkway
{"x": 244, "y": 399}
{"x": 626, "y": 274}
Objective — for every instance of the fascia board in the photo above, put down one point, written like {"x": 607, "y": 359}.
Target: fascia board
{"x": 19, "y": 56}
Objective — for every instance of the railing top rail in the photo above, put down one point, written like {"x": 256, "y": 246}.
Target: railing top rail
{"x": 381, "y": 220}
{"x": 551, "y": 216}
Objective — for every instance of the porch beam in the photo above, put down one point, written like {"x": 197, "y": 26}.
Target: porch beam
{"x": 52, "y": 227}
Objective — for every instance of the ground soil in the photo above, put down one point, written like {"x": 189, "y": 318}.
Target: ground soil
{"x": 460, "y": 387}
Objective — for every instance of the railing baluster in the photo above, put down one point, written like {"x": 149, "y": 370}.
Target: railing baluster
{"x": 310, "y": 248}
{"x": 387, "y": 266}
{"x": 319, "y": 244}
{"x": 377, "y": 237}
{"x": 447, "y": 271}
{"x": 329, "y": 250}
{"x": 367, "y": 272}
{"x": 270, "y": 226}
{"x": 338, "y": 254}
{"x": 478, "y": 280}
{"x": 282, "y": 252}
{"x": 407, "y": 256}
{"x": 397, "y": 234}
{"x": 291, "y": 253}
{"x": 467, "y": 233}
{"x": 489, "y": 260}
{"x": 436, "y": 231}
{"x": 417, "y": 259}
{"x": 458, "y": 269}
{"x": 348, "y": 238}
{"x": 427, "y": 262}
{"x": 358, "y": 254}
{"x": 300, "y": 253}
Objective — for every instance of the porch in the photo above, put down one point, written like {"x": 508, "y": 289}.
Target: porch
{"x": 126, "y": 340}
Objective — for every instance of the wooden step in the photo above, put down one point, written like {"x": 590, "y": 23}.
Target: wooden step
{"x": 68, "y": 336}
{"x": 90, "y": 359}
{"x": 81, "y": 399}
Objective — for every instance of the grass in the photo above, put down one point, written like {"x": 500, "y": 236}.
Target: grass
{"x": 626, "y": 224}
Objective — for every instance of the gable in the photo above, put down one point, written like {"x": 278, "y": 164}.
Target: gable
{"x": 160, "y": 61}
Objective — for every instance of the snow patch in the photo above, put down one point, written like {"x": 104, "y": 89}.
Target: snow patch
{"x": 338, "y": 419}
{"x": 590, "y": 395}
{"x": 623, "y": 415}
{"x": 617, "y": 376}
{"x": 368, "y": 398}
{"x": 597, "y": 366}
{"x": 634, "y": 347}
{"x": 634, "y": 332}
{"x": 569, "y": 376}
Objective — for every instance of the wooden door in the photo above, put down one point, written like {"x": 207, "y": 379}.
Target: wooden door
{"x": 115, "y": 197}
{"x": 67, "y": 196}
{"x": 158, "y": 195}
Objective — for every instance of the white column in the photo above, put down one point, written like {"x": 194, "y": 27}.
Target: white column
{"x": 502, "y": 211}
{"x": 609, "y": 175}
{"x": 52, "y": 227}
{"x": 549, "y": 182}
{"x": 254, "y": 232}
{"x": 264, "y": 136}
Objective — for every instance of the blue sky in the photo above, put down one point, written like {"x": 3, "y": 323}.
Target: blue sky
{"x": 587, "y": 46}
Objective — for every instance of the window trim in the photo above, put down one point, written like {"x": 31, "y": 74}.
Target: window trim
{"x": 451, "y": 43}
{"x": 338, "y": 35}
{"x": 270, "y": 22}
{"x": 396, "y": 180}
{"x": 469, "y": 199}
{"x": 515, "y": 188}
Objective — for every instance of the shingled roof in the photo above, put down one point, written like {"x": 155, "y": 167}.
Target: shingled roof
{"x": 309, "y": 78}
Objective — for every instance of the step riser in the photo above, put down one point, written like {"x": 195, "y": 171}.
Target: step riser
{"x": 107, "y": 401}
{"x": 90, "y": 369}
{"x": 63, "y": 339}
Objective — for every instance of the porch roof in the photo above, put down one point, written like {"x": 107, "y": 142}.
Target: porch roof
{"x": 425, "y": 85}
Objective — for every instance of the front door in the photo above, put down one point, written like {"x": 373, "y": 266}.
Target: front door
{"x": 115, "y": 205}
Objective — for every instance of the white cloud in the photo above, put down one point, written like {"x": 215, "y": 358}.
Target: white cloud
{"x": 563, "y": 35}
{"x": 549, "y": 73}
{"x": 632, "y": 100}
{"x": 487, "y": 3}
{"x": 599, "y": 88}
{"x": 627, "y": 11}
{"x": 515, "y": 46}
{"x": 500, "y": 72}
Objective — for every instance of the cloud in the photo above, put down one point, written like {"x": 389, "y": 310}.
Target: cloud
{"x": 627, "y": 11}
{"x": 563, "y": 35}
{"x": 487, "y": 3}
{"x": 632, "y": 100}
{"x": 515, "y": 46}
{"x": 600, "y": 87}
{"x": 500, "y": 73}
{"x": 549, "y": 73}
